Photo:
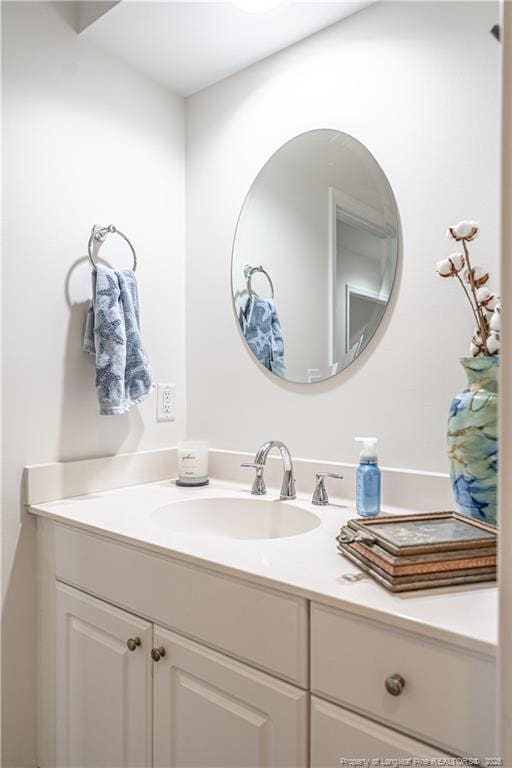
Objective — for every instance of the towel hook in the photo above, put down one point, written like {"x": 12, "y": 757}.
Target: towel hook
{"x": 99, "y": 233}
{"x": 249, "y": 272}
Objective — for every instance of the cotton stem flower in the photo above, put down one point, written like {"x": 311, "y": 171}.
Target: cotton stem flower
{"x": 484, "y": 304}
{"x": 476, "y": 276}
{"x": 451, "y": 266}
{"x": 464, "y": 230}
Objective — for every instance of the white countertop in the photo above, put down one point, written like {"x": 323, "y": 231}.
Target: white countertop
{"x": 308, "y": 565}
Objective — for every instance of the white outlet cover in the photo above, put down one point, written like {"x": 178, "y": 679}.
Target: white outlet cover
{"x": 166, "y": 402}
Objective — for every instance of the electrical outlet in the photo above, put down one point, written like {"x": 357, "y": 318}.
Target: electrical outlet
{"x": 166, "y": 402}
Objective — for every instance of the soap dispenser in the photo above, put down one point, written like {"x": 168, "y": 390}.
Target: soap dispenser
{"x": 368, "y": 479}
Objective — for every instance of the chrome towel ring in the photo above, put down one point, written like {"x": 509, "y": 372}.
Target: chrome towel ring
{"x": 249, "y": 272}
{"x": 99, "y": 233}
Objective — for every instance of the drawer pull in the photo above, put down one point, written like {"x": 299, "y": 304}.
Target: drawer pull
{"x": 157, "y": 653}
{"x": 133, "y": 643}
{"x": 395, "y": 684}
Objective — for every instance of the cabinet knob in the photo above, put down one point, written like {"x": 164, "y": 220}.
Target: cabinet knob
{"x": 133, "y": 643}
{"x": 157, "y": 653}
{"x": 395, "y": 684}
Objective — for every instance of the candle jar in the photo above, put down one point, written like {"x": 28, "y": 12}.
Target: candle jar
{"x": 192, "y": 463}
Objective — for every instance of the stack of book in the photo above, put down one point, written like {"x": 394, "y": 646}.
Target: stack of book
{"x": 420, "y": 551}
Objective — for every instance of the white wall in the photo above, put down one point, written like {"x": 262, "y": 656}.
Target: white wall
{"x": 86, "y": 140}
{"x": 418, "y": 84}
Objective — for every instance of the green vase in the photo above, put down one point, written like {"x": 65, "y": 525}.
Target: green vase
{"x": 472, "y": 440}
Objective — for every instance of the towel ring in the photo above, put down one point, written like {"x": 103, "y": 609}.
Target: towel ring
{"x": 249, "y": 272}
{"x": 99, "y": 234}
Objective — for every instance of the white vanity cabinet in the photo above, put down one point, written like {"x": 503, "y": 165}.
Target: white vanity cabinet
{"x": 146, "y": 659}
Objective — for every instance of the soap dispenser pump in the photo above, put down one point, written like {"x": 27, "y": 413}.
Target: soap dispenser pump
{"x": 368, "y": 479}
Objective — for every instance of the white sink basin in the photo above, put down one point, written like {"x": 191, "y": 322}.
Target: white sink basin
{"x": 231, "y": 518}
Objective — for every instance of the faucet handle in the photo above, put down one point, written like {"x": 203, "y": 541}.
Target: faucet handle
{"x": 320, "y": 497}
{"x": 258, "y": 487}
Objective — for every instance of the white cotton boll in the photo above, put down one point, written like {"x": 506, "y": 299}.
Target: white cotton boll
{"x": 445, "y": 268}
{"x": 493, "y": 344}
{"x": 451, "y": 266}
{"x": 483, "y": 295}
{"x": 457, "y": 260}
{"x": 475, "y": 225}
{"x": 495, "y": 321}
{"x": 464, "y": 230}
{"x": 477, "y": 346}
{"x": 477, "y": 276}
{"x": 491, "y": 303}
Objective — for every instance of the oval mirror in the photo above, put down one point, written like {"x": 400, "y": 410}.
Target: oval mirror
{"x": 315, "y": 256}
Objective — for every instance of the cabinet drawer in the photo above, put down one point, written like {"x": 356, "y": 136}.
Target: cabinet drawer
{"x": 266, "y": 628}
{"x": 338, "y": 735}
{"x": 449, "y": 694}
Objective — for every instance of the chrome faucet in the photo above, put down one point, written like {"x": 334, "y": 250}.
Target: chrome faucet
{"x": 288, "y": 487}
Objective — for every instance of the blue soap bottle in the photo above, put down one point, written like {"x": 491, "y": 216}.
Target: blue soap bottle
{"x": 368, "y": 479}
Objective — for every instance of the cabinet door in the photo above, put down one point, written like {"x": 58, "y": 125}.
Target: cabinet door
{"x": 338, "y": 735}
{"x": 104, "y": 690}
{"x": 213, "y": 712}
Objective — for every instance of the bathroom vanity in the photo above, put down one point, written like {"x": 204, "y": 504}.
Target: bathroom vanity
{"x": 251, "y": 643}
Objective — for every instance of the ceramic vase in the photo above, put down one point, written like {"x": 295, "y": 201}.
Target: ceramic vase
{"x": 472, "y": 440}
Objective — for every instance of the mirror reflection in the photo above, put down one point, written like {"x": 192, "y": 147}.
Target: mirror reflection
{"x": 315, "y": 256}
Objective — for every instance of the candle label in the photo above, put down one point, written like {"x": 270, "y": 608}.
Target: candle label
{"x": 189, "y": 464}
